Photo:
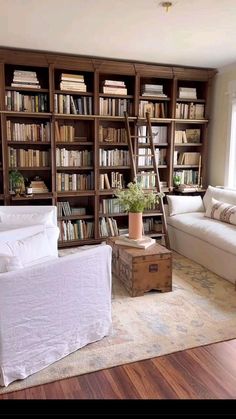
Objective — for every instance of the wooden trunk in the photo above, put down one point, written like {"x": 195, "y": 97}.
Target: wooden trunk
{"x": 142, "y": 270}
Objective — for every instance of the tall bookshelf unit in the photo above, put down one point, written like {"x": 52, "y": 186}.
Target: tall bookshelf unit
{"x": 89, "y": 126}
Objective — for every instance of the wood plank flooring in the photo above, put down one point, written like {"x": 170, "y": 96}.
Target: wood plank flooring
{"x": 207, "y": 372}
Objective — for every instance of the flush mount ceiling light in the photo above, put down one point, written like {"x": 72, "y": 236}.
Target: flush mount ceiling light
{"x": 166, "y": 5}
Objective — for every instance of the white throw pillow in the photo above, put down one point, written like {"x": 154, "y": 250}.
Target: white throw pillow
{"x": 221, "y": 211}
{"x": 24, "y": 219}
{"x": 31, "y": 248}
{"x": 9, "y": 263}
{"x": 179, "y": 204}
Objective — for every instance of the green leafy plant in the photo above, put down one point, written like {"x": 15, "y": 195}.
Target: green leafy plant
{"x": 16, "y": 180}
{"x": 176, "y": 180}
{"x": 135, "y": 199}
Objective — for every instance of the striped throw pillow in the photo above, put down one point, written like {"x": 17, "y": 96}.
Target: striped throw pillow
{"x": 221, "y": 211}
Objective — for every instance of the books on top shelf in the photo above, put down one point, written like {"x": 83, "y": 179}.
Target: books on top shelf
{"x": 152, "y": 90}
{"x": 187, "y": 93}
{"x": 23, "y": 78}
{"x": 73, "y": 82}
{"x": 142, "y": 243}
{"x": 114, "y": 87}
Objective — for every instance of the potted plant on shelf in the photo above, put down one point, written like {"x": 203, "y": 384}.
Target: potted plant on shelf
{"x": 16, "y": 182}
{"x": 135, "y": 200}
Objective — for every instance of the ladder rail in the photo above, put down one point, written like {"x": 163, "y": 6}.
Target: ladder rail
{"x": 134, "y": 167}
{"x": 158, "y": 185}
{"x": 131, "y": 148}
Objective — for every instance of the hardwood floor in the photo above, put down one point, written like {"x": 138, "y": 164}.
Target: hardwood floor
{"x": 207, "y": 372}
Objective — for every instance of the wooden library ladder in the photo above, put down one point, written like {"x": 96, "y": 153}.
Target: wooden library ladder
{"x": 135, "y": 169}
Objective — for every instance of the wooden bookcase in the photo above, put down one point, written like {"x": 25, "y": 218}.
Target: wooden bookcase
{"x": 95, "y": 133}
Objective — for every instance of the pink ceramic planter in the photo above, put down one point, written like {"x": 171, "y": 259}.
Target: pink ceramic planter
{"x": 135, "y": 225}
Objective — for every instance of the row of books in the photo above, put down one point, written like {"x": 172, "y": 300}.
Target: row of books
{"x": 112, "y": 135}
{"x": 114, "y": 106}
{"x": 73, "y": 82}
{"x": 28, "y": 132}
{"x": 156, "y": 110}
{"x": 112, "y": 180}
{"x": 110, "y": 206}
{"x": 145, "y": 156}
{"x": 68, "y": 104}
{"x": 189, "y": 158}
{"x": 76, "y": 158}
{"x": 115, "y": 157}
{"x": 64, "y": 133}
{"x": 25, "y": 78}
{"x": 28, "y": 158}
{"x": 18, "y": 102}
{"x": 74, "y": 182}
{"x": 187, "y": 176}
{"x": 76, "y": 230}
{"x": 65, "y": 210}
{"x": 108, "y": 227}
{"x": 151, "y": 224}
{"x": 190, "y": 110}
{"x": 159, "y": 134}
{"x": 187, "y": 136}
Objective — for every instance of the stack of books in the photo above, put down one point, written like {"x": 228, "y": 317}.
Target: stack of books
{"x": 142, "y": 243}
{"x": 187, "y": 93}
{"x": 38, "y": 186}
{"x": 153, "y": 90}
{"x": 73, "y": 82}
{"x": 114, "y": 87}
{"x": 188, "y": 188}
{"x": 28, "y": 79}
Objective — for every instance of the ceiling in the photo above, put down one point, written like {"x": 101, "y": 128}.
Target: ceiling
{"x": 193, "y": 32}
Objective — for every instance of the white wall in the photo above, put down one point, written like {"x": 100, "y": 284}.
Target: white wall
{"x": 219, "y": 124}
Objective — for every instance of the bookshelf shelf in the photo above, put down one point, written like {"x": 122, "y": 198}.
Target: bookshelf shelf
{"x": 26, "y": 89}
{"x": 191, "y": 100}
{"x": 31, "y": 143}
{"x": 38, "y": 196}
{"x": 59, "y": 75}
{"x": 155, "y": 98}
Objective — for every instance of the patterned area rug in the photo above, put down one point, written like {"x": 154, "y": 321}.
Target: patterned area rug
{"x": 200, "y": 310}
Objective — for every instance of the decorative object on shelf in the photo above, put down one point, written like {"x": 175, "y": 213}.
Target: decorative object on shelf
{"x": 135, "y": 200}
{"x": 176, "y": 180}
{"x": 16, "y": 182}
{"x": 38, "y": 186}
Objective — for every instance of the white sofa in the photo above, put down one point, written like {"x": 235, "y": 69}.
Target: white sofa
{"x": 210, "y": 242}
{"x": 52, "y": 309}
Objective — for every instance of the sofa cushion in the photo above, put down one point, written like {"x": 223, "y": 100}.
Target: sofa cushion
{"x": 183, "y": 204}
{"x": 224, "y": 195}
{"x": 31, "y": 249}
{"x": 27, "y": 219}
{"x": 221, "y": 235}
{"x": 221, "y": 211}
